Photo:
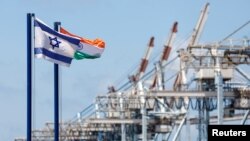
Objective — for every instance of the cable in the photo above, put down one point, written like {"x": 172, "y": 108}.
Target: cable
{"x": 148, "y": 74}
{"x": 179, "y": 44}
{"x": 238, "y": 29}
{"x": 130, "y": 70}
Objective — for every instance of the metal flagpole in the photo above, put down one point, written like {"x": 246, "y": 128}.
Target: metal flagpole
{"x": 29, "y": 74}
{"x": 56, "y": 93}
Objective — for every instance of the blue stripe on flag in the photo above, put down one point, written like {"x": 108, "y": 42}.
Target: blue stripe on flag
{"x": 53, "y": 55}
{"x": 51, "y": 31}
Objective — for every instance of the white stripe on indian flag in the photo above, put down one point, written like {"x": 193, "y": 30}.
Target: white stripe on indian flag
{"x": 90, "y": 49}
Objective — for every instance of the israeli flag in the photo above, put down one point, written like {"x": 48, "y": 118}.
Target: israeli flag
{"x": 54, "y": 46}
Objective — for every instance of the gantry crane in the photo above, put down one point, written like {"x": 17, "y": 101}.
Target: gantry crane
{"x": 145, "y": 113}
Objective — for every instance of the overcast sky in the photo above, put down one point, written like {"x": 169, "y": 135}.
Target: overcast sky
{"x": 125, "y": 25}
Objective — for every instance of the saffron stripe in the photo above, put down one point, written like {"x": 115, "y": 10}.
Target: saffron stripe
{"x": 51, "y": 31}
{"x": 98, "y": 43}
{"x": 53, "y": 55}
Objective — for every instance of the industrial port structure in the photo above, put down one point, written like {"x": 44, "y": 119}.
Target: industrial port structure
{"x": 205, "y": 91}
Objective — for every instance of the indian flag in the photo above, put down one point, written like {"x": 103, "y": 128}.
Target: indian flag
{"x": 88, "y": 49}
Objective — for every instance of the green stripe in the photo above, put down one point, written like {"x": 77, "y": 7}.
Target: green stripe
{"x": 80, "y": 55}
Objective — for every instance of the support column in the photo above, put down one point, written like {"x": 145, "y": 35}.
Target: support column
{"x": 179, "y": 128}
{"x": 245, "y": 117}
{"x": 219, "y": 85}
{"x": 143, "y": 111}
{"x": 97, "y": 113}
{"x": 206, "y": 122}
{"x": 122, "y": 111}
{"x": 144, "y": 124}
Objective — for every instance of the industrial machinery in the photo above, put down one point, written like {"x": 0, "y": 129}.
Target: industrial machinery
{"x": 205, "y": 91}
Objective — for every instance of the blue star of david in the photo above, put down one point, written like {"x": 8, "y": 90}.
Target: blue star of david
{"x": 54, "y": 42}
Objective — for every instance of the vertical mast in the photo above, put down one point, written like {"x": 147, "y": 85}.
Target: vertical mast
{"x": 199, "y": 26}
{"x": 56, "y": 92}
{"x": 29, "y": 74}
{"x": 144, "y": 62}
{"x": 181, "y": 78}
{"x": 165, "y": 55}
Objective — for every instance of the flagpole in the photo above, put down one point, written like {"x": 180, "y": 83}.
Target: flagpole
{"x": 56, "y": 92}
{"x": 29, "y": 75}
